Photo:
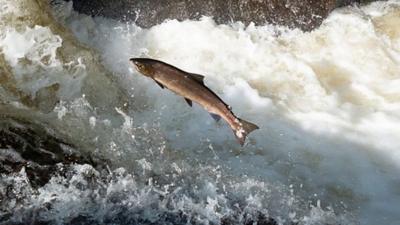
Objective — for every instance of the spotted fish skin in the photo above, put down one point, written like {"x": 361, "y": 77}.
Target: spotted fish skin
{"x": 191, "y": 87}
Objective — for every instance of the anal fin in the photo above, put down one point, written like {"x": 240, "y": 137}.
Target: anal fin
{"x": 215, "y": 117}
{"x": 189, "y": 102}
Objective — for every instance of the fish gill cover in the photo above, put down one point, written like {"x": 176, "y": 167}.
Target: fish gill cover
{"x": 116, "y": 149}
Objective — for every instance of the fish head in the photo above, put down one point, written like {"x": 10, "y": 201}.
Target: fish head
{"x": 144, "y": 66}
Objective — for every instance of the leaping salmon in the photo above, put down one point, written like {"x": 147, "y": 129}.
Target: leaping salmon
{"x": 192, "y": 88}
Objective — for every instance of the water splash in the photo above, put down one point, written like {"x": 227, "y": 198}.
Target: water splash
{"x": 326, "y": 152}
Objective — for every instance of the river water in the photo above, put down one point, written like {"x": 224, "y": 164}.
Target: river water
{"x": 327, "y": 103}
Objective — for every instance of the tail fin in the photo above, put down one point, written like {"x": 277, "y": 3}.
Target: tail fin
{"x": 244, "y": 129}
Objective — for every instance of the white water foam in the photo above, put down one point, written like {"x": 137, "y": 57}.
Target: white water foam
{"x": 327, "y": 101}
{"x": 327, "y": 104}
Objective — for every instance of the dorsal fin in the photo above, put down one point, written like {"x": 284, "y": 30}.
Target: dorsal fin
{"x": 198, "y": 77}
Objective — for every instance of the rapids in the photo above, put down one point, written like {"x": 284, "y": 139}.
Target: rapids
{"x": 327, "y": 103}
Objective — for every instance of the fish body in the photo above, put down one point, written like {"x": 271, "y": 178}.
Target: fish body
{"x": 192, "y": 88}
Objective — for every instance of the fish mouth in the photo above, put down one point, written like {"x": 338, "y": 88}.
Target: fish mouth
{"x": 135, "y": 63}
{"x": 132, "y": 60}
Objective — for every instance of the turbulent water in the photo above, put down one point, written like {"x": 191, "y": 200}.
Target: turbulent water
{"x": 327, "y": 103}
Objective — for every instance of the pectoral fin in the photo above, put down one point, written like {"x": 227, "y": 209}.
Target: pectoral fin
{"x": 189, "y": 102}
{"x": 215, "y": 117}
{"x": 159, "y": 84}
{"x": 199, "y": 78}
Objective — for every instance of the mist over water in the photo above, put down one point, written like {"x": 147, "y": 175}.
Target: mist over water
{"x": 327, "y": 103}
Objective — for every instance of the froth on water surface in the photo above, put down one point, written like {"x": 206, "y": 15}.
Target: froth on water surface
{"x": 326, "y": 101}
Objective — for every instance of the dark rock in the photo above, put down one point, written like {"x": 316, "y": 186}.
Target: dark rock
{"x": 261, "y": 219}
{"x": 249, "y": 219}
{"x": 304, "y": 14}
{"x": 27, "y": 145}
